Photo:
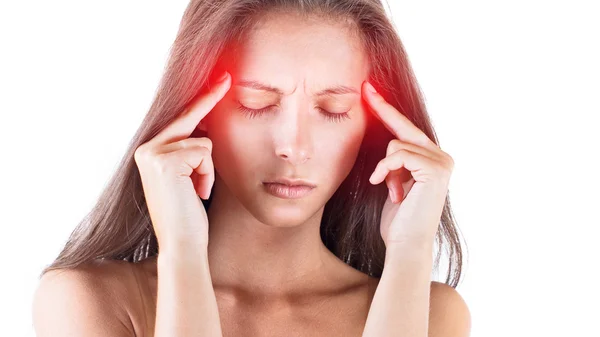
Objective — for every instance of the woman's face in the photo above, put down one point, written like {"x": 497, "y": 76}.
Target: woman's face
{"x": 300, "y": 134}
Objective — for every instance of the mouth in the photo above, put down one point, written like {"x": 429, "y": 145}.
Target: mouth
{"x": 291, "y": 182}
{"x": 284, "y": 191}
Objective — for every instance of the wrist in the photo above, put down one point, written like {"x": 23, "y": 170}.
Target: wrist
{"x": 409, "y": 250}
{"x": 182, "y": 254}
{"x": 182, "y": 247}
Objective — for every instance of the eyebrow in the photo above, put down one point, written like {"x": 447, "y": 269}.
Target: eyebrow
{"x": 335, "y": 90}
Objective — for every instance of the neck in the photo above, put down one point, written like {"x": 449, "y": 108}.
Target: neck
{"x": 245, "y": 253}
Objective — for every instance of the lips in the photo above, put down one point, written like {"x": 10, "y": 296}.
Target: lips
{"x": 284, "y": 191}
{"x": 291, "y": 182}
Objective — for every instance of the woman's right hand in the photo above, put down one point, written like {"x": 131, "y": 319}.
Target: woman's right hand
{"x": 175, "y": 170}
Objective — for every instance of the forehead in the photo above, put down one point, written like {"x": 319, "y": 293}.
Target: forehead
{"x": 292, "y": 54}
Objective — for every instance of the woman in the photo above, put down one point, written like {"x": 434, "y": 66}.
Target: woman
{"x": 288, "y": 152}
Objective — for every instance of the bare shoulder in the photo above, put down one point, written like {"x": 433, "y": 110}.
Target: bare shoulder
{"x": 449, "y": 314}
{"x": 89, "y": 300}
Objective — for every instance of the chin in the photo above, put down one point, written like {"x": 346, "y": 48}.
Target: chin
{"x": 281, "y": 213}
{"x": 286, "y": 216}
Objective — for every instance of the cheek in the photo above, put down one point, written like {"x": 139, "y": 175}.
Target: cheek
{"x": 340, "y": 151}
{"x": 236, "y": 150}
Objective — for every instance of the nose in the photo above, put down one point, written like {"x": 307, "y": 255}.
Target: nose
{"x": 293, "y": 138}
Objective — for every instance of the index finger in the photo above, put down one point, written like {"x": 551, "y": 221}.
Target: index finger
{"x": 395, "y": 121}
{"x": 183, "y": 126}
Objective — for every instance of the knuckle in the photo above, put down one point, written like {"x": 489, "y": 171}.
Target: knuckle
{"x": 448, "y": 161}
{"x": 204, "y": 142}
{"x": 204, "y": 151}
{"x": 444, "y": 169}
{"x": 393, "y": 146}
{"x": 162, "y": 163}
{"x": 140, "y": 152}
{"x": 441, "y": 168}
{"x": 401, "y": 152}
{"x": 451, "y": 163}
{"x": 394, "y": 143}
{"x": 207, "y": 143}
{"x": 143, "y": 153}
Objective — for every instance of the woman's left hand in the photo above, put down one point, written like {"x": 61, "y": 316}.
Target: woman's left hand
{"x": 417, "y": 173}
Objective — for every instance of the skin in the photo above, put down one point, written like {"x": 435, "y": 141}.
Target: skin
{"x": 260, "y": 243}
{"x": 265, "y": 253}
{"x": 270, "y": 271}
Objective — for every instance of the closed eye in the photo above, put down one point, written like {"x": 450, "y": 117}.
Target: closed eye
{"x": 251, "y": 113}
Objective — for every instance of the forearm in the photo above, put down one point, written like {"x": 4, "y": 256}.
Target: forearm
{"x": 400, "y": 306}
{"x": 186, "y": 302}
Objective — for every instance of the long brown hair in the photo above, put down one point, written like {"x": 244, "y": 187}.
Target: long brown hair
{"x": 119, "y": 227}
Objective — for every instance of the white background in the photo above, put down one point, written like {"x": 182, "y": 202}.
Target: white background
{"x": 512, "y": 88}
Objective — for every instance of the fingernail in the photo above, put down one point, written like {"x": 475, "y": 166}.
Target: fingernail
{"x": 371, "y": 88}
{"x": 222, "y": 77}
{"x": 392, "y": 195}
